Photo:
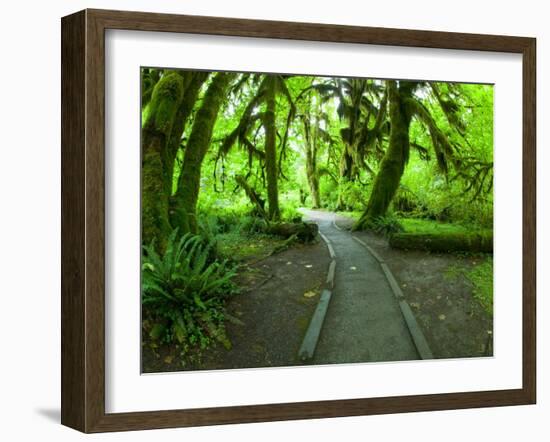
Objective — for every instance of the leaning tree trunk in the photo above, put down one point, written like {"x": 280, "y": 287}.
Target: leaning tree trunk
{"x": 393, "y": 164}
{"x": 271, "y": 152}
{"x": 156, "y": 131}
{"x": 255, "y": 199}
{"x": 185, "y": 200}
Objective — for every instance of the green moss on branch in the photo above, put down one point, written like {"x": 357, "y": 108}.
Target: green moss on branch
{"x": 165, "y": 100}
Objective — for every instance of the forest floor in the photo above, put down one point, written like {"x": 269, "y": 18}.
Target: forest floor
{"x": 454, "y": 324}
{"x": 267, "y": 321}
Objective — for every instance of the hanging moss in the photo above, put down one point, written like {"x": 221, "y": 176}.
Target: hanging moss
{"x": 345, "y": 174}
{"x": 253, "y": 196}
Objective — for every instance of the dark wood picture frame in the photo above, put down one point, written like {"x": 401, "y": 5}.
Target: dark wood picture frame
{"x": 83, "y": 218}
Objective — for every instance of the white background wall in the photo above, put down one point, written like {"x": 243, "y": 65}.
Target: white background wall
{"x": 30, "y": 216}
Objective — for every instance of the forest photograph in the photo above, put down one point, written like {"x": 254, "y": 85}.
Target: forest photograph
{"x": 291, "y": 220}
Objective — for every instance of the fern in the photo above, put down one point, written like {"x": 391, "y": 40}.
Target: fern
{"x": 184, "y": 288}
{"x": 387, "y": 225}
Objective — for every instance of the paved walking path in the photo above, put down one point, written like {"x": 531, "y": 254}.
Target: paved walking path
{"x": 364, "y": 322}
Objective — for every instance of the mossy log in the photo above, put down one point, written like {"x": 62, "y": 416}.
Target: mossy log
{"x": 444, "y": 242}
{"x": 305, "y": 232}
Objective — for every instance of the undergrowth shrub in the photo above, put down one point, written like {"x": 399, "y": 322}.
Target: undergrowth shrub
{"x": 387, "y": 225}
{"x": 183, "y": 292}
{"x": 291, "y": 214}
{"x": 250, "y": 225}
{"x": 354, "y": 195}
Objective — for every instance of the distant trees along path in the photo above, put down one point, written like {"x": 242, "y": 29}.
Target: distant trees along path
{"x": 348, "y": 141}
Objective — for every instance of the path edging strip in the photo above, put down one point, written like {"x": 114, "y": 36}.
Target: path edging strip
{"x": 307, "y": 349}
{"x": 415, "y": 331}
{"x": 329, "y": 246}
{"x": 309, "y": 343}
{"x": 330, "y": 275}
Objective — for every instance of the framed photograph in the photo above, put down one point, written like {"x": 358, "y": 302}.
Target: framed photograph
{"x": 269, "y": 220}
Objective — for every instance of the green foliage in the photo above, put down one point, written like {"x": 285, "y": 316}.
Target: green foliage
{"x": 183, "y": 290}
{"x": 412, "y": 225}
{"x": 243, "y": 246}
{"x": 448, "y": 175}
{"x": 481, "y": 276}
{"x": 386, "y": 225}
{"x": 431, "y": 142}
{"x": 291, "y": 213}
{"x": 225, "y": 221}
{"x": 353, "y": 195}
{"x": 250, "y": 225}
{"x": 429, "y": 195}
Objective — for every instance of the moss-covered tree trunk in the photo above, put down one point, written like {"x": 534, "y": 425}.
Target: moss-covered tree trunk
{"x": 392, "y": 165}
{"x": 271, "y": 150}
{"x": 184, "y": 214}
{"x": 345, "y": 175}
{"x": 157, "y": 128}
{"x": 311, "y": 137}
{"x": 313, "y": 179}
{"x": 192, "y": 84}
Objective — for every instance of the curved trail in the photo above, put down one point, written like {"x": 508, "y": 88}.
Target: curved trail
{"x": 364, "y": 322}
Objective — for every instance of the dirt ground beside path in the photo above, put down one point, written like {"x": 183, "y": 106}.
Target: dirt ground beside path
{"x": 268, "y": 319}
{"x": 453, "y": 322}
